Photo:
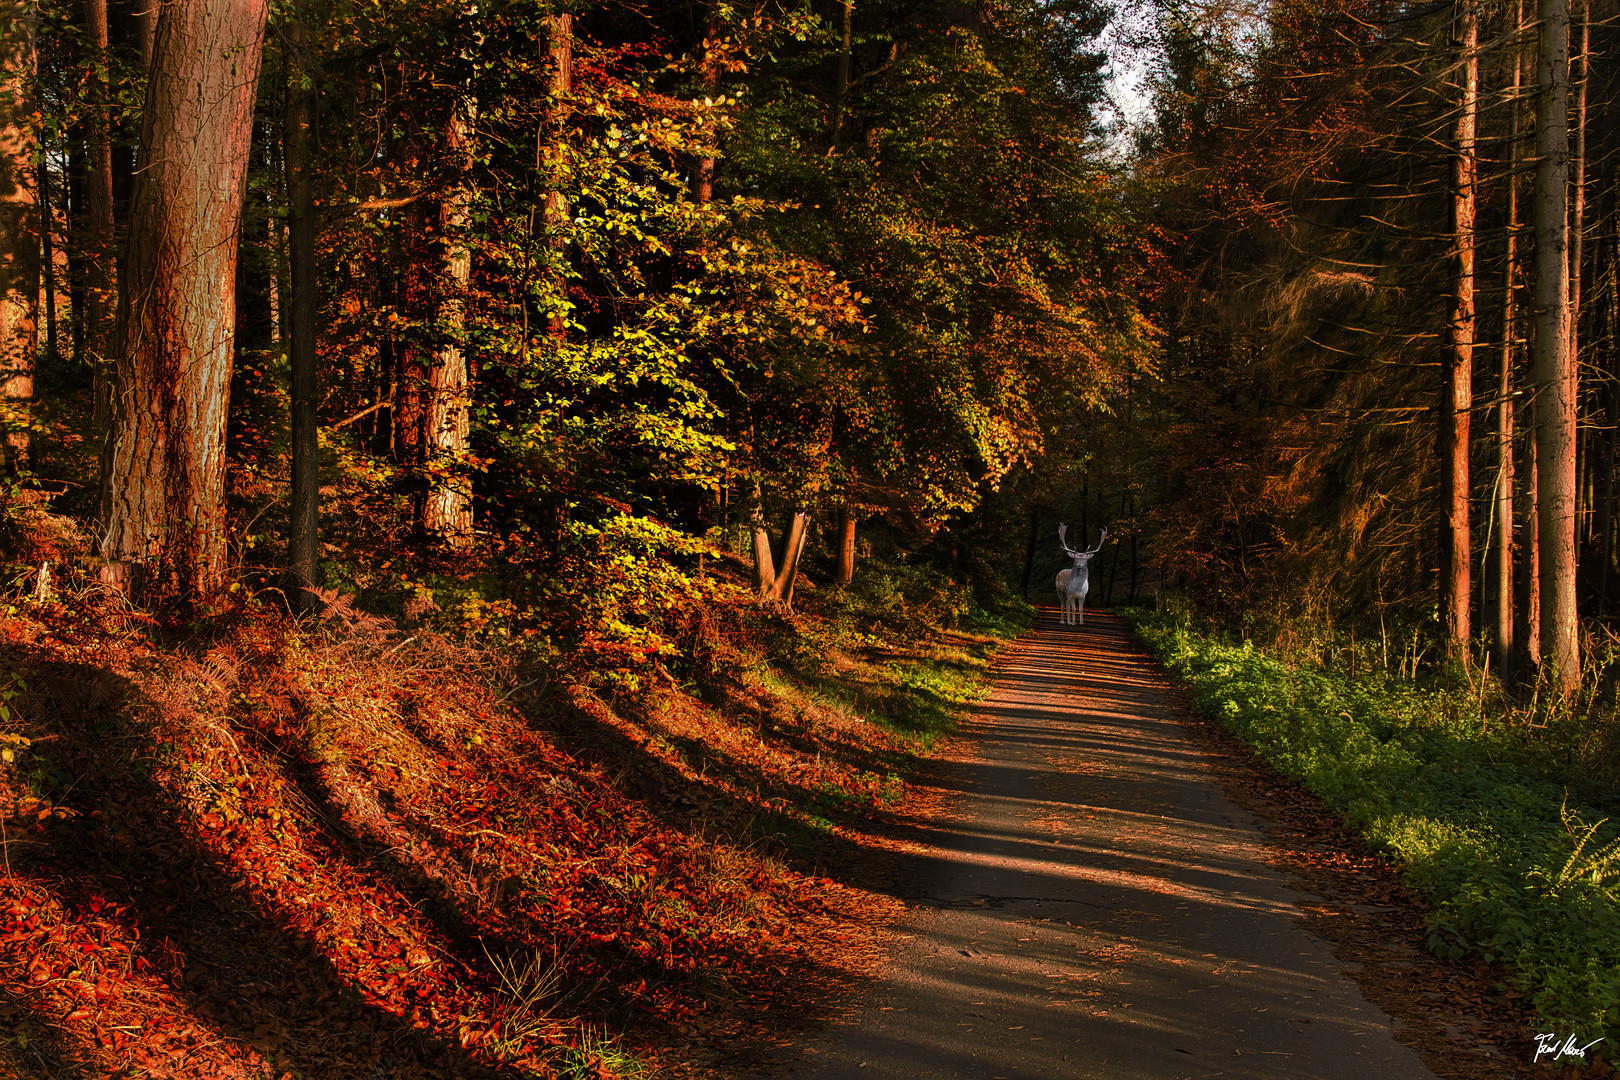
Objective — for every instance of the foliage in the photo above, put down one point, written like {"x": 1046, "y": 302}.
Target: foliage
{"x": 1518, "y": 861}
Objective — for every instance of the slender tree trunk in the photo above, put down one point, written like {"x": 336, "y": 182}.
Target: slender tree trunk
{"x": 1577, "y": 236}
{"x": 1029, "y": 549}
{"x": 764, "y": 563}
{"x": 1456, "y": 586}
{"x": 1529, "y": 632}
{"x": 299, "y": 138}
{"x": 20, "y": 228}
{"x": 163, "y": 467}
{"x": 841, "y": 80}
{"x": 561, "y": 32}
{"x": 846, "y": 545}
{"x": 447, "y": 511}
{"x": 1554, "y": 366}
{"x": 1502, "y": 622}
{"x": 47, "y": 250}
{"x": 100, "y": 281}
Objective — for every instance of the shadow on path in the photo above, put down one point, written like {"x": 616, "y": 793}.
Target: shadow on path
{"x": 1095, "y": 906}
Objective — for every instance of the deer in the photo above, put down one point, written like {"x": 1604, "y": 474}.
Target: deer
{"x": 1074, "y": 583}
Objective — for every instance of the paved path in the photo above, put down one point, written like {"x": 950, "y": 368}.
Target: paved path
{"x": 1098, "y": 908}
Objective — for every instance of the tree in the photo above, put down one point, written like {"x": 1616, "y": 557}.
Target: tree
{"x": 19, "y": 234}
{"x": 303, "y": 98}
{"x": 162, "y": 527}
{"x": 1555, "y": 370}
{"x": 1457, "y": 401}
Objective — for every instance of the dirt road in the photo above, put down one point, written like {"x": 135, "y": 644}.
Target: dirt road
{"x": 1097, "y": 908}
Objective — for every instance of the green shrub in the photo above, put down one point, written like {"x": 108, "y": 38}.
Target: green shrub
{"x": 1483, "y": 820}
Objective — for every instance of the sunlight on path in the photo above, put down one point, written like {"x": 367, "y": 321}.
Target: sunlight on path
{"x": 1098, "y": 908}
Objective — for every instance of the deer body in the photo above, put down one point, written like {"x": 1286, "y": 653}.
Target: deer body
{"x": 1075, "y": 582}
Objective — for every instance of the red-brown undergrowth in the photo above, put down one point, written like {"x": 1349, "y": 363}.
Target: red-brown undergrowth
{"x": 260, "y": 849}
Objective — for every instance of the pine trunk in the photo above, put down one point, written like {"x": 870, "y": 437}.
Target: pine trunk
{"x": 19, "y": 235}
{"x": 162, "y": 518}
{"x": 100, "y": 281}
{"x": 1456, "y": 411}
{"x": 1502, "y": 652}
{"x": 1554, "y": 366}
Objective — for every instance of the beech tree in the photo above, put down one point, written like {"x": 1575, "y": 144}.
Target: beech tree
{"x": 162, "y": 525}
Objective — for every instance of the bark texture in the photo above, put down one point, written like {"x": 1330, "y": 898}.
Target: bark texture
{"x": 447, "y": 511}
{"x": 561, "y": 28}
{"x": 304, "y": 539}
{"x": 100, "y": 281}
{"x": 1554, "y": 366}
{"x": 1502, "y": 644}
{"x": 162, "y": 521}
{"x": 19, "y": 233}
{"x": 1456, "y": 581}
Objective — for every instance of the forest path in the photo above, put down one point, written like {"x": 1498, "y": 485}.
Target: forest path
{"x": 1095, "y": 906}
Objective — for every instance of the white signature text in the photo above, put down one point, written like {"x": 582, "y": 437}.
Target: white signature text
{"x": 1550, "y": 1044}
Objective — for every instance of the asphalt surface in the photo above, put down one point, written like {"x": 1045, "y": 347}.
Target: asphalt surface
{"x": 1097, "y": 908}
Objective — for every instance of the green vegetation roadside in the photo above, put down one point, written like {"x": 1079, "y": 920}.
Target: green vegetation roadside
{"x": 1519, "y": 860}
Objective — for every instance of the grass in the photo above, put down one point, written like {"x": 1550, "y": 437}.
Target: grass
{"x": 1490, "y": 820}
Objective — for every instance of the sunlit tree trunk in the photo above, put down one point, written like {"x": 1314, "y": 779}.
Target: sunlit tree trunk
{"x": 447, "y": 511}
{"x": 846, "y": 545}
{"x": 1502, "y": 621}
{"x": 792, "y": 549}
{"x": 162, "y": 520}
{"x": 19, "y": 233}
{"x": 299, "y": 139}
{"x": 764, "y": 563}
{"x": 1456, "y": 583}
{"x": 1554, "y": 366}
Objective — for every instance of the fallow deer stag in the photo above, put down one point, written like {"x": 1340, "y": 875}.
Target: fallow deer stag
{"x": 1074, "y": 583}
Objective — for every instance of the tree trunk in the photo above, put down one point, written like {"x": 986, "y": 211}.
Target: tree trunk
{"x": 1529, "y": 632}
{"x": 792, "y": 549}
{"x": 19, "y": 235}
{"x": 303, "y": 99}
{"x": 1554, "y": 366}
{"x": 447, "y": 510}
{"x": 100, "y": 242}
{"x": 1029, "y": 549}
{"x": 841, "y": 80}
{"x": 1456, "y": 586}
{"x": 846, "y": 545}
{"x": 561, "y": 33}
{"x": 162, "y": 519}
{"x": 1502, "y": 621}
{"x": 764, "y": 564}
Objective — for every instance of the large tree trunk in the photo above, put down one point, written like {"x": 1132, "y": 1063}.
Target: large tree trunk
{"x": 100, "y": 242}
{"x": 19, "y": 234}
{"x": 447, "y": 511}
{"x": 163, "y": 467}
{"x": 1456, "y": 587}
{"x": 1502, "y": 613}
{"x": 303, "y": 541}
{"x": 1554, "y": 366}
